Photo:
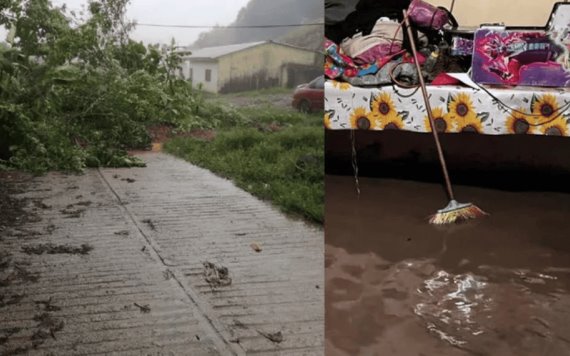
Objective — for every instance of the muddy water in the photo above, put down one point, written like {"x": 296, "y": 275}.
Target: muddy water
{"x": 398, "y": 286}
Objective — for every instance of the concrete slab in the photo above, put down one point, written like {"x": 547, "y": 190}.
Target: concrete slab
{"x": 138, "y": 284}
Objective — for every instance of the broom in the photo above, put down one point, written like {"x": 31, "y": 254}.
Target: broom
{"x": 454, "y": 211}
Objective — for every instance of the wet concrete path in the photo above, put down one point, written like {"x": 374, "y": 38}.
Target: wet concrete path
{"x": 115, "y": 265}
{"x": 396, "y": 285}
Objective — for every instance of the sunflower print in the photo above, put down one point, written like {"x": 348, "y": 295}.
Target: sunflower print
{"x": 382, "y": 106}
{"x": 547, "y": 115}
{"x": 327, "y": 120}
{"x": 545, "y": 107}
{"x": 384, "y": 113}
{"x": 443, "y": 122}
{"x": 470, "y": 123}
{"x": 461, "y": 107}
{"x": 558, "y": 127}
{"x": 360, "y": 119}
{"x": 520, "y": 122}
{"x": 461, "y": 113}
{"x": 343, "y": 86}
{"x": 394, "y": 122}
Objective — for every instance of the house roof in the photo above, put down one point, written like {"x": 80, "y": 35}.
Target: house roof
{"x": 220, "y": 51}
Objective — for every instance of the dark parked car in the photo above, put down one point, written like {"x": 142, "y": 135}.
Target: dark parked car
{"x": 310, "y": 97}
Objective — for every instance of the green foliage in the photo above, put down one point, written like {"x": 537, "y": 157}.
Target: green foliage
{"x": 285, "y": 166}
{"x": 77, "y": 93}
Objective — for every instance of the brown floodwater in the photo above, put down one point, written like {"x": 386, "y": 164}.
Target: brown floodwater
{"x": 396, "y": 285}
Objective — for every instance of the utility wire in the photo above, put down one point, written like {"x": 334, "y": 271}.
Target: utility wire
{"x": 224, "y": 27}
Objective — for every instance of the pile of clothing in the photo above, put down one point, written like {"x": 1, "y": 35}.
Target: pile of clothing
{"x": 367, "y": 44}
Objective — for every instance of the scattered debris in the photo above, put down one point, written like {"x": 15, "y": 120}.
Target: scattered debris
{"x": 47, "y": 304}
{"x": 116, "y": 176}
{"x": 13, "y": 213}
{"x": 235, "y": 341}
{"x": 216, "y": 276}
{"x": 143, "y": 249}
{"x": 129, "y": 180}
{"x": 25, "y": 233}
{"x": 238, "y": 324}
{"x": 41, "y": 205}
{"x": 256, "y": 247}
{"x": 25, "y": 275}
{"x": 15, "y": 272}
{"x": 13, "y": 299}
{"x": 5, "y": 259}
{"x": 50, "y": 228}
{"x": 122, "y": 233}
{"x": 168, "y": 274}
{"x": 72, "y": 213}
{"x": 79, "y": 197}
{"x": 47, "y": 327}
{"x": 198, "y": 337}
{"x": 7, "y": 333}
{"x": 52, "y": 249}
{"x": 20, "y": 350}
{"x": 150, "y": 224}
{"x": 273, "y": 337}
{"x": 20, "y": 273}
{"x": 144, "y": 308}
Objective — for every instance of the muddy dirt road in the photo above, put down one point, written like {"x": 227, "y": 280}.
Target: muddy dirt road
{"x": 398, "y": 286}
{"x": 163, "y": 260}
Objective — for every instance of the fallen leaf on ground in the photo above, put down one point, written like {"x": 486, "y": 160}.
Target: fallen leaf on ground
{"x": 273, "y": 337}
{"x": 216, "y": 275}
{"x": 144, "y": 308}
{"x": 256, "y": 247}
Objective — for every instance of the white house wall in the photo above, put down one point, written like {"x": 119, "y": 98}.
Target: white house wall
{"x": 185, "y": 68}
{"x": 199, "y": 75}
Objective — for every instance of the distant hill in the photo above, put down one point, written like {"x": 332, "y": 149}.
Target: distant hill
{"x": 269, "y": 12}
{"x": 307, "y": 37}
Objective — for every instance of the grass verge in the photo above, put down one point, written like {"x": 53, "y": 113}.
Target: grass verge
{"x": 278, "y": 157}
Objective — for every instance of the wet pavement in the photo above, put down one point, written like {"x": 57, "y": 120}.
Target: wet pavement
{"x": 163, "y": 260}
{"x": 396, "y": 285}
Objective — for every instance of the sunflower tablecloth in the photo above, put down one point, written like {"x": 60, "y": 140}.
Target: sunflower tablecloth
{"x": 455, "y": 109}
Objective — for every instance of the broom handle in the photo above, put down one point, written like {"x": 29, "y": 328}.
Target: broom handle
{"x": 428, "y": 108}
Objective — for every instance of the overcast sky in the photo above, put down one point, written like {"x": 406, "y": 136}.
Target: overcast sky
{"x": 173, "y": 12}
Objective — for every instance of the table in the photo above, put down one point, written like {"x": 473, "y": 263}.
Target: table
{"x": 456, "y": 109}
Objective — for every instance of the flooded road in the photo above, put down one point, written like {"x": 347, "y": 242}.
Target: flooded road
{"x": 396, "y": 285}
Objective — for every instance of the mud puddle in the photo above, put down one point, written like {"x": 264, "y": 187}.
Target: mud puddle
{"x": 397, "y": 286}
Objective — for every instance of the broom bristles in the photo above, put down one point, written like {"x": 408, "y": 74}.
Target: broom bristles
{"x": 467, "y": 212}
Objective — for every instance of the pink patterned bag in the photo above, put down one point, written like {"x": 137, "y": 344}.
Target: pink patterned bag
{"x": 426, "y": 15}
{"x": 385, "y": 40}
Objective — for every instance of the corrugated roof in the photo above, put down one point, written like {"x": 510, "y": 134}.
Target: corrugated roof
{"x": 219, "y": 51}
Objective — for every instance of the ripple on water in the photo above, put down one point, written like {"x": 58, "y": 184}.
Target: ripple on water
{"x": 508, "y": 310}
